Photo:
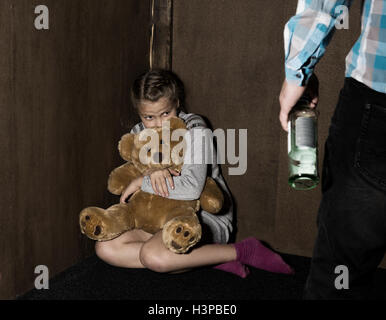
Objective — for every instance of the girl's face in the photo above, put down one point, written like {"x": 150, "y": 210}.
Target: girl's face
{"x": 153, "y": 114}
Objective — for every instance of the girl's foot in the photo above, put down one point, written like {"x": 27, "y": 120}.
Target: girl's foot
{"x": 235, "y": 267}
{"x": 250, "y": 251}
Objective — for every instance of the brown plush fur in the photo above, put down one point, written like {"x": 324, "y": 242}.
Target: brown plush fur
{"x": 177, "y": 219}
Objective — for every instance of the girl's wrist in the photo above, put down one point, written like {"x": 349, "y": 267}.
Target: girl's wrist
{"x": 148, "y": 172}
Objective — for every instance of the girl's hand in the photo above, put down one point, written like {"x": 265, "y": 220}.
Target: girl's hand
{"x": 131, "y": 188}
{"x": 158, "y": 181}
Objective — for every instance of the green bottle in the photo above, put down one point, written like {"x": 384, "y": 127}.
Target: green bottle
{"x": 303, "y": 146}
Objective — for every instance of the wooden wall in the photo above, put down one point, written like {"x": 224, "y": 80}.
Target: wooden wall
{"x": 230, "y": 56}
{"x": 64, "y": 103}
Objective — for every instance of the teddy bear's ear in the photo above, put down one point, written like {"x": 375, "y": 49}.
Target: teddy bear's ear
{"x": 177, "y": 123}
{"x": 126, "y": 145}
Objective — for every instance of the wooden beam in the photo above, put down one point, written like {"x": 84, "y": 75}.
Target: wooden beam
{"x": 161, "y": 34}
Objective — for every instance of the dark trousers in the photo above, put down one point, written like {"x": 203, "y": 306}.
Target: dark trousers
{"x": 352, "y": 214}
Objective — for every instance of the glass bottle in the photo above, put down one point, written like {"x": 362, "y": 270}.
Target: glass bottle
{"x": 303, "y": 146}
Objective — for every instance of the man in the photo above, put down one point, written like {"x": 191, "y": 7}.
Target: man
{"x": 352, "y": 215}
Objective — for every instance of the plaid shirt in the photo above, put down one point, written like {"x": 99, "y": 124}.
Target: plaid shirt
{"x": 307, "y": 34}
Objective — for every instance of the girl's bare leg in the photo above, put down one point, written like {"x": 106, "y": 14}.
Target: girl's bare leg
{"x": 139, "y": 249}
{"x": 155, "y": 256}
{"x": 124, "y": 250}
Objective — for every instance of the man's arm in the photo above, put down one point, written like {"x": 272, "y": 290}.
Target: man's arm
{"x": 306, "y": 36}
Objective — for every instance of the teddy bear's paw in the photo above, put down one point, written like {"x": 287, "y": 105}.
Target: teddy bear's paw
{"x": 114, "y": 187}
{"x": 181, "y": 233}
{"x": 92, "y": 223}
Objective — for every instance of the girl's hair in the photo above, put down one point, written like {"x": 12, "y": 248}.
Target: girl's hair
{"x": 156, "y": 84}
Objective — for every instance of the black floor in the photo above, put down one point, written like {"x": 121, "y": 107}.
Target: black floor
{"x": 93, "y": 279}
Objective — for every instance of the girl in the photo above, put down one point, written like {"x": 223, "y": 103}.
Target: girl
{"x": 157, "y": 96}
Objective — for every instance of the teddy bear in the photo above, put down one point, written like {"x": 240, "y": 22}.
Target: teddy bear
{"x": 177, "y": 219}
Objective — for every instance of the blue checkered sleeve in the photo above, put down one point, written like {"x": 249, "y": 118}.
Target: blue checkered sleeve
{"x": 307, "y": 34}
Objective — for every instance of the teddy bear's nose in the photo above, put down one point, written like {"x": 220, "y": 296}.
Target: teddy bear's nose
{"x": 157, "y": 157}
{"x": 176, "y": 245}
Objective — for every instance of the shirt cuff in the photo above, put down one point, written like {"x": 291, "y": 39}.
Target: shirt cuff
{"x": 298, "y": 77}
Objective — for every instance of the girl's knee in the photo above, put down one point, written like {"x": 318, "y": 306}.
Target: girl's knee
{"x": 154, "y": 259}
{"x": 104, "y": 250}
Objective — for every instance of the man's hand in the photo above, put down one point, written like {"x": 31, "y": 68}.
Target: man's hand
{"x": 291, "y": 93}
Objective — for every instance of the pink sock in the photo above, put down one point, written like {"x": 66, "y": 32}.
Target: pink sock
{"x": 250, "y": 251}
{"x": 235, "y": 267}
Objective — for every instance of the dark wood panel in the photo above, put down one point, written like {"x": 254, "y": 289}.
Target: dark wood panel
{"x": 223, "y": 56}
{"x": 162, "y": 25}
{"x": 7, "y": 152}
{"x": 65, "y": 104}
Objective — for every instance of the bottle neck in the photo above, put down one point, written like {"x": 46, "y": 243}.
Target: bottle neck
{"x": 304, "y": 100}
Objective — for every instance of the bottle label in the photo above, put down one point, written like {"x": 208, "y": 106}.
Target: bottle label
{"x": 305, "y": 132}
